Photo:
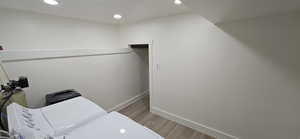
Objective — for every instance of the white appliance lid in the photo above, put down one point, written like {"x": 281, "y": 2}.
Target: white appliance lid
{"x": 70, "y": 114}
{"x": 113, "y": 126}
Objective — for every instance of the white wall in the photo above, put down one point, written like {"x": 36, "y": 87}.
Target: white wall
{"x": 242, "y": 80}
{"x": 143, "y": 55}
{"x": 24, "y": 30}
{"x": 108, "y": 80}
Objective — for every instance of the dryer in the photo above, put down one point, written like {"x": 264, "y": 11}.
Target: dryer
{"x": 113, "y": 126}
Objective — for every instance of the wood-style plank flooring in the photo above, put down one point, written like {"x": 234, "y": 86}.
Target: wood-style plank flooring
{"x": 140, "y": 113}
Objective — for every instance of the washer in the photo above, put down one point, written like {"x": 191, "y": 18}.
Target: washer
{"x": 68, "y": 115}
{"x": 76, "y": 118}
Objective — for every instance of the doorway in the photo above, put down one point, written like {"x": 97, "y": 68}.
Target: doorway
{"x": 145, "y": 53}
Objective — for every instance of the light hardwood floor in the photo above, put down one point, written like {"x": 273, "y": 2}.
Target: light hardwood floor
{"x": 140, "y": 113}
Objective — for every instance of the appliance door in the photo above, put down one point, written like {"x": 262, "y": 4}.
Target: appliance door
{"x": 71, "y": 114}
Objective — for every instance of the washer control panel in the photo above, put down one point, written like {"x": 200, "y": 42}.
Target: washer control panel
{"x": 28, "y": 123}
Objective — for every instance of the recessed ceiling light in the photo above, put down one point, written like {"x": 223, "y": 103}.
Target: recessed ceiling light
{"x": 51, "y": 2}
{"x": 177, "y": 2}
{"x": 122, "y": 131}
{"x": 117, "y": 16}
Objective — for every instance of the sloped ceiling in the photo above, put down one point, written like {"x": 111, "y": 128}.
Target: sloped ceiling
{"x": 217, "y": 11}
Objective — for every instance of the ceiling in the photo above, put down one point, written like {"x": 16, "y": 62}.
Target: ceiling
{"x": 217, "y": 11}
{"x": 101, "y": 10}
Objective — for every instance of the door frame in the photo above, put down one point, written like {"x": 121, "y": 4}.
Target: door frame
{"x": 153, "y": 67}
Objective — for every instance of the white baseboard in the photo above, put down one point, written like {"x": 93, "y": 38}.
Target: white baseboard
{"x": 192, "y": 124}
{"x": 129, "y": 101}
